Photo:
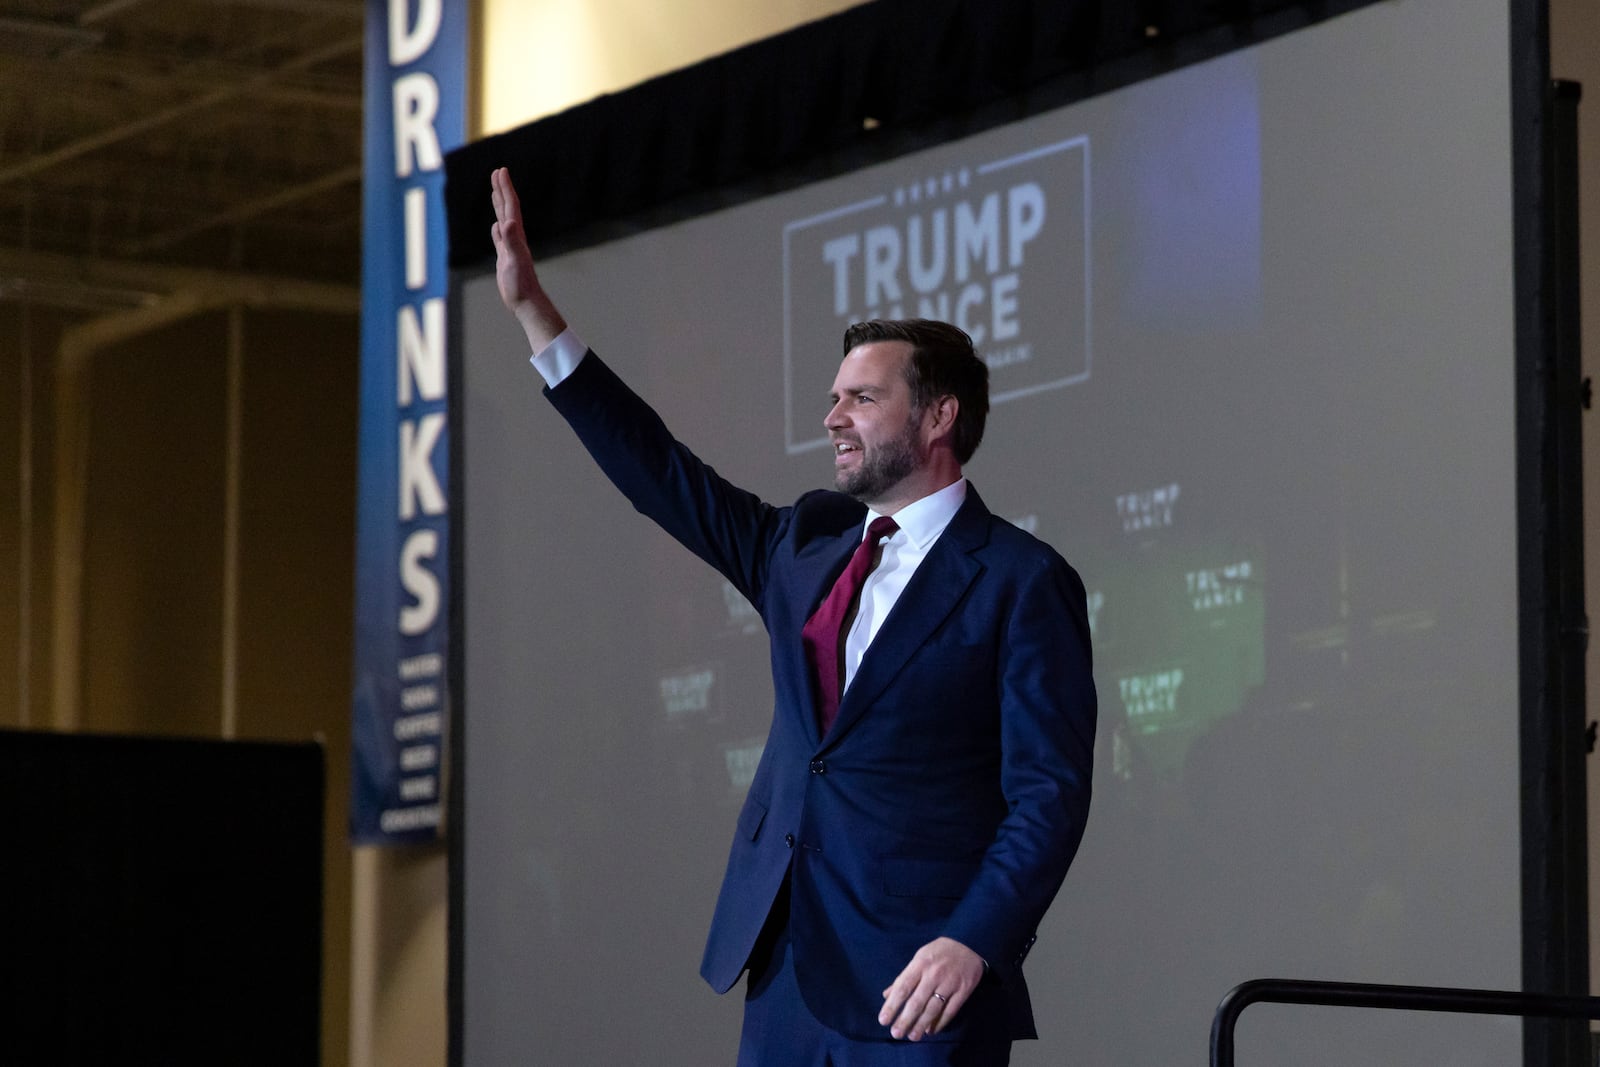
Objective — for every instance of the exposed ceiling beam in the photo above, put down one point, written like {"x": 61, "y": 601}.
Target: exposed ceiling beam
{"x": 124, "y": 131}
{"x": 243, "y": 212}
{"x": 288, "y": 94}
{"x": 123, "y": 70}
{"x": 45, "y": 38}
{"x": 22, "y": 72}
{"x": 76, "y": 295}
{"x": 338, "y": 9}
{"x": 109, "y": 9}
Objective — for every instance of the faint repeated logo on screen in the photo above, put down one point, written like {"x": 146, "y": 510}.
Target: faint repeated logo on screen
{"x": 742, "y": 615}
{"x": 1148, "y": 509}
{"x": 1093, "y": 602}
{"x": 687, "y": 694}
{"x": 1151, "y": 699}
{"x": 741, "y": 759}
{"x": 1211, "y": 588}
{"x": 999, "y": 248}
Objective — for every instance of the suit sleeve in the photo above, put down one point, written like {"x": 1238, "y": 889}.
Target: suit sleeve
{"x": 729, "y": 528}
{"x": 1047, "y": 722}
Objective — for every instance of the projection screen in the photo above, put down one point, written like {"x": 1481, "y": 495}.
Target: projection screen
{"x": 1250, "y": 329}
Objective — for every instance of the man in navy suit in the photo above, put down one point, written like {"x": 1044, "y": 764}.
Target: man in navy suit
{"x": 926, "y": 779}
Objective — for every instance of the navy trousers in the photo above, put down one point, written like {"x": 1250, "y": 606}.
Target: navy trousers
{"x": 780, "y": 1031}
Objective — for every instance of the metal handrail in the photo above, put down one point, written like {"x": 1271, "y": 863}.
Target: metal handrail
{"x": 1405, "y": 997}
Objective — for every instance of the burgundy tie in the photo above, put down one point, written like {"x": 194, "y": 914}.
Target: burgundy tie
{"x": 821, "y": 633}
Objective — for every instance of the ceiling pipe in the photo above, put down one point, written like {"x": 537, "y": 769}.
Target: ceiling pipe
{"x": 26, "y": 273}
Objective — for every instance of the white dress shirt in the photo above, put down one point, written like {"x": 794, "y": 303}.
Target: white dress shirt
{"x": 921, "y": 523}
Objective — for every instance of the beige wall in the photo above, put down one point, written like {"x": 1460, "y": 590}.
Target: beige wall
{"x": 536, "y": 59}
{"x": 152, "y": 635}
{"x": 398, "y": 961}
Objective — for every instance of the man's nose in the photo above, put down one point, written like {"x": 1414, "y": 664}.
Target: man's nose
{"x": 834, "y": 419}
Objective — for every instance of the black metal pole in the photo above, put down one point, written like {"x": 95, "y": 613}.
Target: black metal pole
{"x": 1551, "y": 579}
{"x": 1406, "y": 998}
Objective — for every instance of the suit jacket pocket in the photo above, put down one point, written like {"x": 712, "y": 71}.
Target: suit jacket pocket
{"x": 751, "y": 816}
{"x": 917, "y": 876}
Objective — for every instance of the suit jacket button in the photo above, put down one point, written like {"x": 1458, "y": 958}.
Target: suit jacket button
{"x": 818, "y": 767}
{"x": 788, "y": 839}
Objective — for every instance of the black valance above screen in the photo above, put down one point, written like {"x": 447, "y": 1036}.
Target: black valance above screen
{"x": 859, "y": 87}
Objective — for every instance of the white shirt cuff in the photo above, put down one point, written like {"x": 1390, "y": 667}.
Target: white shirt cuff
{"x": 559, "y": 358}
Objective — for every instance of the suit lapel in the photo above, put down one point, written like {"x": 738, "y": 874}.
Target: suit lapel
{"x": 935, "y": 590}
{"x": 818, "y": 563}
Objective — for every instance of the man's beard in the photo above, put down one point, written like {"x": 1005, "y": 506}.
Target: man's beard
{"x": 882, "y": 467}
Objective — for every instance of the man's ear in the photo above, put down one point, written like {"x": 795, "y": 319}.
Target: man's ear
{"x": 943, "y": 421}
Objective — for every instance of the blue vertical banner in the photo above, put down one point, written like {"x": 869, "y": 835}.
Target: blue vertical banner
{"x": 416, "y": 59}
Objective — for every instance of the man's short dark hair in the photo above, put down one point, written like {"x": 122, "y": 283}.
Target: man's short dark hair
{"x": 943, "y": 363}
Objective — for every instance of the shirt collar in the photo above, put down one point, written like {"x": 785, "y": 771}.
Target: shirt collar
{"x": 924, "y": 520}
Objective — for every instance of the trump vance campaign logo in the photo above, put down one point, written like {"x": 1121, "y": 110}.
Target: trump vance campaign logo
{"x": 1001, "y": 249}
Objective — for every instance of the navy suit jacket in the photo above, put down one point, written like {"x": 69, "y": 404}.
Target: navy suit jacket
{"x": 951, "y": 793}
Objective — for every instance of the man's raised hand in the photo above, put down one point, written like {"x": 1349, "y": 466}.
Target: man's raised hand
{"x": 520, "y": 290}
